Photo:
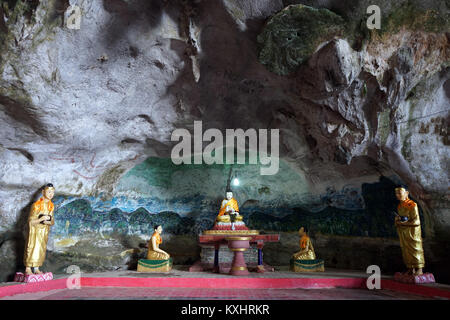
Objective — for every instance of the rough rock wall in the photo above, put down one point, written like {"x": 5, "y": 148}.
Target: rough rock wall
{"x": 84, "y": 108}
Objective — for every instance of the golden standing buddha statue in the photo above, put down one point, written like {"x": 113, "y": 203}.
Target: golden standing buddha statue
{"x": 407, "y": 223}
{"x": 39, "y": 222}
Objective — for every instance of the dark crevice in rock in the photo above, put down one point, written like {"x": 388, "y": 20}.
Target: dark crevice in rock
{"x": 32, "y": 5}
{"x": 25, "y": 153}
{"x": 129, "y": 140}
{"x": 312, "y": 143}
{"x": 3, "y": 26}
{"x": 25, "y": 7}
{"x": 341, "y": 155}
{"x": 129, "y": 13}
{"x": 134, "y": 52}
{"x": 23, "y": 112}
{"x": 159, "y": 64}
{"x": 146, "y": 118}
{"x": 447, "y": 88}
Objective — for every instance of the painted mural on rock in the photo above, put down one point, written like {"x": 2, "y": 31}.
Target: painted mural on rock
{"x": 185, "y": 200}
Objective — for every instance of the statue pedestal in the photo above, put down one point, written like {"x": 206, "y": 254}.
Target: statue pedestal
{"x": 30, "y": 278}
{"x": 316, "y": 265}
{"x": 207, "y": 255}
{"x": 229, "y": 232}
{"x": 212, "y": 240}
{"x": 238, "y": 245}
{"x": 409, "y": 278}
{"x": 145, "y": 265}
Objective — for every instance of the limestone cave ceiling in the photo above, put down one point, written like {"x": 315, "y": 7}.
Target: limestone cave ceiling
{"x": 81, "y": 107}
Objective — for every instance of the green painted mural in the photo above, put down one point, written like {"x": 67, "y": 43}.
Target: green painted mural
{"x": 148, "y": 195}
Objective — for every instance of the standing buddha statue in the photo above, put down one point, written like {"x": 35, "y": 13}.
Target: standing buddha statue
{"x": 39, "y": 222}
{"x": 408, "y": 228}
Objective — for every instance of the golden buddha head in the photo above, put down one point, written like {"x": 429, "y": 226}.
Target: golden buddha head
{"x": 401, "y": 193}
{"x": 49, "y": 191}
{"x": 303, "y": 231}
{"x": 158, "y": 228}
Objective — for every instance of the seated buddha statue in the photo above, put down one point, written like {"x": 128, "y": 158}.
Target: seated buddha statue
{"x": 229, "y": 217}
{"x": 306, "y": 249}
{"x": 305, "y": 259}
{"x": 157, "y": 260}
{"x": 154, "y": 252}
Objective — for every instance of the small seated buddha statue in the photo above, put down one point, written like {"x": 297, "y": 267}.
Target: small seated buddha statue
{"x": 157, "y": 259}
{"x": 229, "y": 217}
{"x": 154, "y": 252}
{"x": 305, "y": 259}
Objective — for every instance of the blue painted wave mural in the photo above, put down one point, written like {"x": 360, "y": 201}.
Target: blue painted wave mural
{"x": 191, "y": 207}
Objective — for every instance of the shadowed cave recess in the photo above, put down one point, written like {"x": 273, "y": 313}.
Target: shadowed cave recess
{"x": 92, "y": 111}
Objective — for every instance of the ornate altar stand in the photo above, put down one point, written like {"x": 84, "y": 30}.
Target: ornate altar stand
{"x": 238, "y": 264}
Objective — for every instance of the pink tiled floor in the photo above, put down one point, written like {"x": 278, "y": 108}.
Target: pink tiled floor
{"x": 118, "y": 293}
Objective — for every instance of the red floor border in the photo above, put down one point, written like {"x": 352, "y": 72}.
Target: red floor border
{"x": 415, "y": 289}
{"x": 32, "y": 287}
{"x": 230, "y": 283}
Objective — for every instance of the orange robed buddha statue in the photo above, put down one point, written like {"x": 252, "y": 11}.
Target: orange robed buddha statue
{"x": 305, "y": 259}
{"x": 157, "y": 259}
{"x": 307, "y": 250}
{"x": 154, "y": 252}
{"x": 39, "y": 222}
{"x": 407, "y": 223}
{"x": 229, "y": 217}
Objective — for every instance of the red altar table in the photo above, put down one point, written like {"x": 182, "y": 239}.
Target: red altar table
{"x": 220, "y": 239}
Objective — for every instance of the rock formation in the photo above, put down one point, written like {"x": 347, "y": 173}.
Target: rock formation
{"x": 92, "y": 111}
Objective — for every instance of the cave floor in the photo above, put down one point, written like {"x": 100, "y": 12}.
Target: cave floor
{"x": 98, "y": 288}
{"x": 120, "y": 293}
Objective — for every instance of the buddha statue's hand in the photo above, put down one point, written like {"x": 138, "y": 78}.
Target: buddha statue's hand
{"x": 402, "y": 223}
{"x": 230, "y": 210}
